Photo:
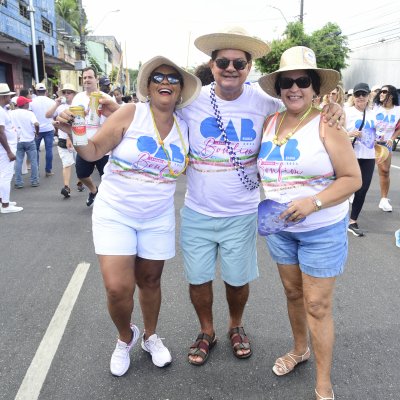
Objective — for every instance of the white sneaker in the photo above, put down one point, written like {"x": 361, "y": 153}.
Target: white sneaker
{"x": 385, "y": 205}
{"x": 120, "y": 359}
{"x": 10, "y": 203}
{"x": 10, "y": 209}
{"x": 160, "y": 355}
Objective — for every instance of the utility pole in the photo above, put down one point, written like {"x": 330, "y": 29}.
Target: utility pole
{"x": 82, "y": 45}
{"x": 31, "y": 11}
{"x": 301, "y": 10}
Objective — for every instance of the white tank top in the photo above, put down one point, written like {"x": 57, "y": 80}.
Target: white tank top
{"x": 300, "y": 168}
{"x": 137, "y": 180}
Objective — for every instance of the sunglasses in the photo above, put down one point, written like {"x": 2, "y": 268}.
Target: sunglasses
{"x": 173, "y": 79}
{"x": 333, "y": 93}
{"x": 238, "y": 64}
{"x": 302, "y": 82}
{"x": 359, "y": 94}
{"x": 384, "y": 91}
{"x": 66, "y": 92}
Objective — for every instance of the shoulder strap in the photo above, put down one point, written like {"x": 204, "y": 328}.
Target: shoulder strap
{"x": 269, "y": 121}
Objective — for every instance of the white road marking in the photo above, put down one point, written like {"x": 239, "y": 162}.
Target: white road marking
{"x": 40, "y": 365}
{"x": 395, "y": 166}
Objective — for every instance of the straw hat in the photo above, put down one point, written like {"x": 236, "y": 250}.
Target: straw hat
{"x": 296, "y": 58}
{"x": 5, "y": 90}
{"x": 191, "y": 84}
{"x": 381, "y": 153}
{"x": 232, "y": 38}
{"x": 66, "y": 86}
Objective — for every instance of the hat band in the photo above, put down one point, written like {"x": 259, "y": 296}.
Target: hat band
{"x": 5, "y": 92}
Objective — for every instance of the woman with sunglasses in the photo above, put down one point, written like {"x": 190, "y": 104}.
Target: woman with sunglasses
{"x": 337, "y": 96}
{"x": 387, "y": 129}
{"x": 360, "y": 125}
{"x": 311, "y": 168}
{"x": 134, "y": 215}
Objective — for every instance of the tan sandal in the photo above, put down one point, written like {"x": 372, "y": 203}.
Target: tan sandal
{"x": 284, "y": 366}
{"x": 325, "y": 398}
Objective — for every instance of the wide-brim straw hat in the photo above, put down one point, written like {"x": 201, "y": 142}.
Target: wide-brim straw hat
{"x": 191, "y": 84}
{"x": 381, "y": 153}
{"x": 232, "y": 38}
{"x": 300, "y": 58}
{"x": 66, "y": 86}
{"x": 5, "y": 90}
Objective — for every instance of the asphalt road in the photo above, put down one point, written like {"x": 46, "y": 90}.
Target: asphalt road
{"x": 56, "y": 337}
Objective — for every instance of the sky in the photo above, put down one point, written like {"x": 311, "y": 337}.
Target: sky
{"x": 146, "y": 28}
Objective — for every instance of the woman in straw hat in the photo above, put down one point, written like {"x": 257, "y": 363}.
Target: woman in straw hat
{"x": 225, "y": 124}
{"x": 388, "y": 129}
{"x": 311, "y": 168}
{"x": 64, "y": 146}
{"x": 133, "y": 215}
{"x": 360, "y": 125}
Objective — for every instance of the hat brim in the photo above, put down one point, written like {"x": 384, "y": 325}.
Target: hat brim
{"x": 220, "y": 41}
{"x": 59, "y": 92}
{"x": 191, "y": 84}
{"x": 7, "y": 94}
{"x": 329, "y": 79}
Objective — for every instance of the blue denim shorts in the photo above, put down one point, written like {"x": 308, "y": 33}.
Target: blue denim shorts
{"x": 321, "y": 253}
{"x": 202, "y": 237}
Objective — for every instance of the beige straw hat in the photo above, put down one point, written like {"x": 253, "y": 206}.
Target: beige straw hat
{"x": 191, "y": 84}
{"x": 5, "y": 90}
{"x": 232, "y": 38}
{"x": 381, "y": 153}
{"x": 295, "y": 58}
{"x": 66, "y": 86}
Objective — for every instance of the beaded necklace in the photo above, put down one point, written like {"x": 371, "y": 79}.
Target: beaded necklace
{"x": 161, "y": 143}
{"x": 248, "y": 183}
{"x": 283, "y": 141}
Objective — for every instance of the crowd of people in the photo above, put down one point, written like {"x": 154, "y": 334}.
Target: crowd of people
{"x": 309, "y": 156}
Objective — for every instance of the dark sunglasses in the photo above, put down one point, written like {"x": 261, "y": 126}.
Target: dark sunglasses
{"x": 223, "y": 63}
{"x": 385, "y": 91}
{"x": 173, "y": 79}
{"x": 359, "y": 94}
{"x": 302, "y": 82}
{"x": 66, "y": 92}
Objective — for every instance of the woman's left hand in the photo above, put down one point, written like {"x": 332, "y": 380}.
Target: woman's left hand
{"x": 298, "y": 209}
{"x": 332, "y": 113}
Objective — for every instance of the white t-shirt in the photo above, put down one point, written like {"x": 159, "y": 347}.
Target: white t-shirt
{"x": 83, "y": 99}
{"x": 24, "y": 122}
{"x": 386, "y": 121}
{"x": 213, "y": 185}
{"x": 364, "y": 145}
{"x": 58, "y": 111}
{"x": 300, "y": 168}
{"x": 137, "y": 179}
{"x": 9, "y": 130}
{"x": 40, "y": 105}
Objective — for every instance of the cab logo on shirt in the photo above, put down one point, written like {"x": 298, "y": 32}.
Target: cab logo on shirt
{"x": 271, "y": 152}
{"x": 147, "y": 144}
{"x": 209, "y": 129}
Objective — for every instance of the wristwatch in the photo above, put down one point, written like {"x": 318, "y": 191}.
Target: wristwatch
{"x": 317, "y": 203}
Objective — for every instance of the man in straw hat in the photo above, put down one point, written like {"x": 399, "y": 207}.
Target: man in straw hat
{"x": 8, "y": 147}
{"x": 220, "y": 212}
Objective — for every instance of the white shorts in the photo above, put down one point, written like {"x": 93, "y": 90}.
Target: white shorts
{"x": 115, "y": 233}
{"x": 67, "y": 156}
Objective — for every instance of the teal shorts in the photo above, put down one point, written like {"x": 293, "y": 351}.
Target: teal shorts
{"x": 203, "y": 238}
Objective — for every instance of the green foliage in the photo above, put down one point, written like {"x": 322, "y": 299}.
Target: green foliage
{"x": 93, "y": 62}
{"x": 328, "y": 43}
{"x": 133, "y": 73}
{"x": 69, "y": 10}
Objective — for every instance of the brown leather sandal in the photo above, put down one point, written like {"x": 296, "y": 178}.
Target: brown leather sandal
{"x": 201, "y": 348}
{"x": 239, "y": 341}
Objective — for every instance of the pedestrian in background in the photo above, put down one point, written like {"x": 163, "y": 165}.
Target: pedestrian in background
{"x": 387, "y": 125}
{"x": 311, "y": 168}
{"x": 8, "y": 148}
{"x": 65, "y": 148}
{"x": 134, "y": 214}
{"x": 40, "y": 104}
{"x": 360, "y": 125}
{"x": 27, "y": 126}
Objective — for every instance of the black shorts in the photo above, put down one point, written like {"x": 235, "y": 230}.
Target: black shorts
{"x": 85, "y": 168}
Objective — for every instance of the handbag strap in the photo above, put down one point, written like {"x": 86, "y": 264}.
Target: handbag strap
{"x": 361, "y": 126}
{"x": 248, "y": 183}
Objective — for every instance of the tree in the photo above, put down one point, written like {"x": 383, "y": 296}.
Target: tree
{"x": 69, "y": 10}
{"x": 328, "y": 43}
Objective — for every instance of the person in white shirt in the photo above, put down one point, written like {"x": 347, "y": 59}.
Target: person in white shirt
{"x": 8, "y": 147}
{"x": 40, "y": 104}
{"x": 27, "y": 126}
